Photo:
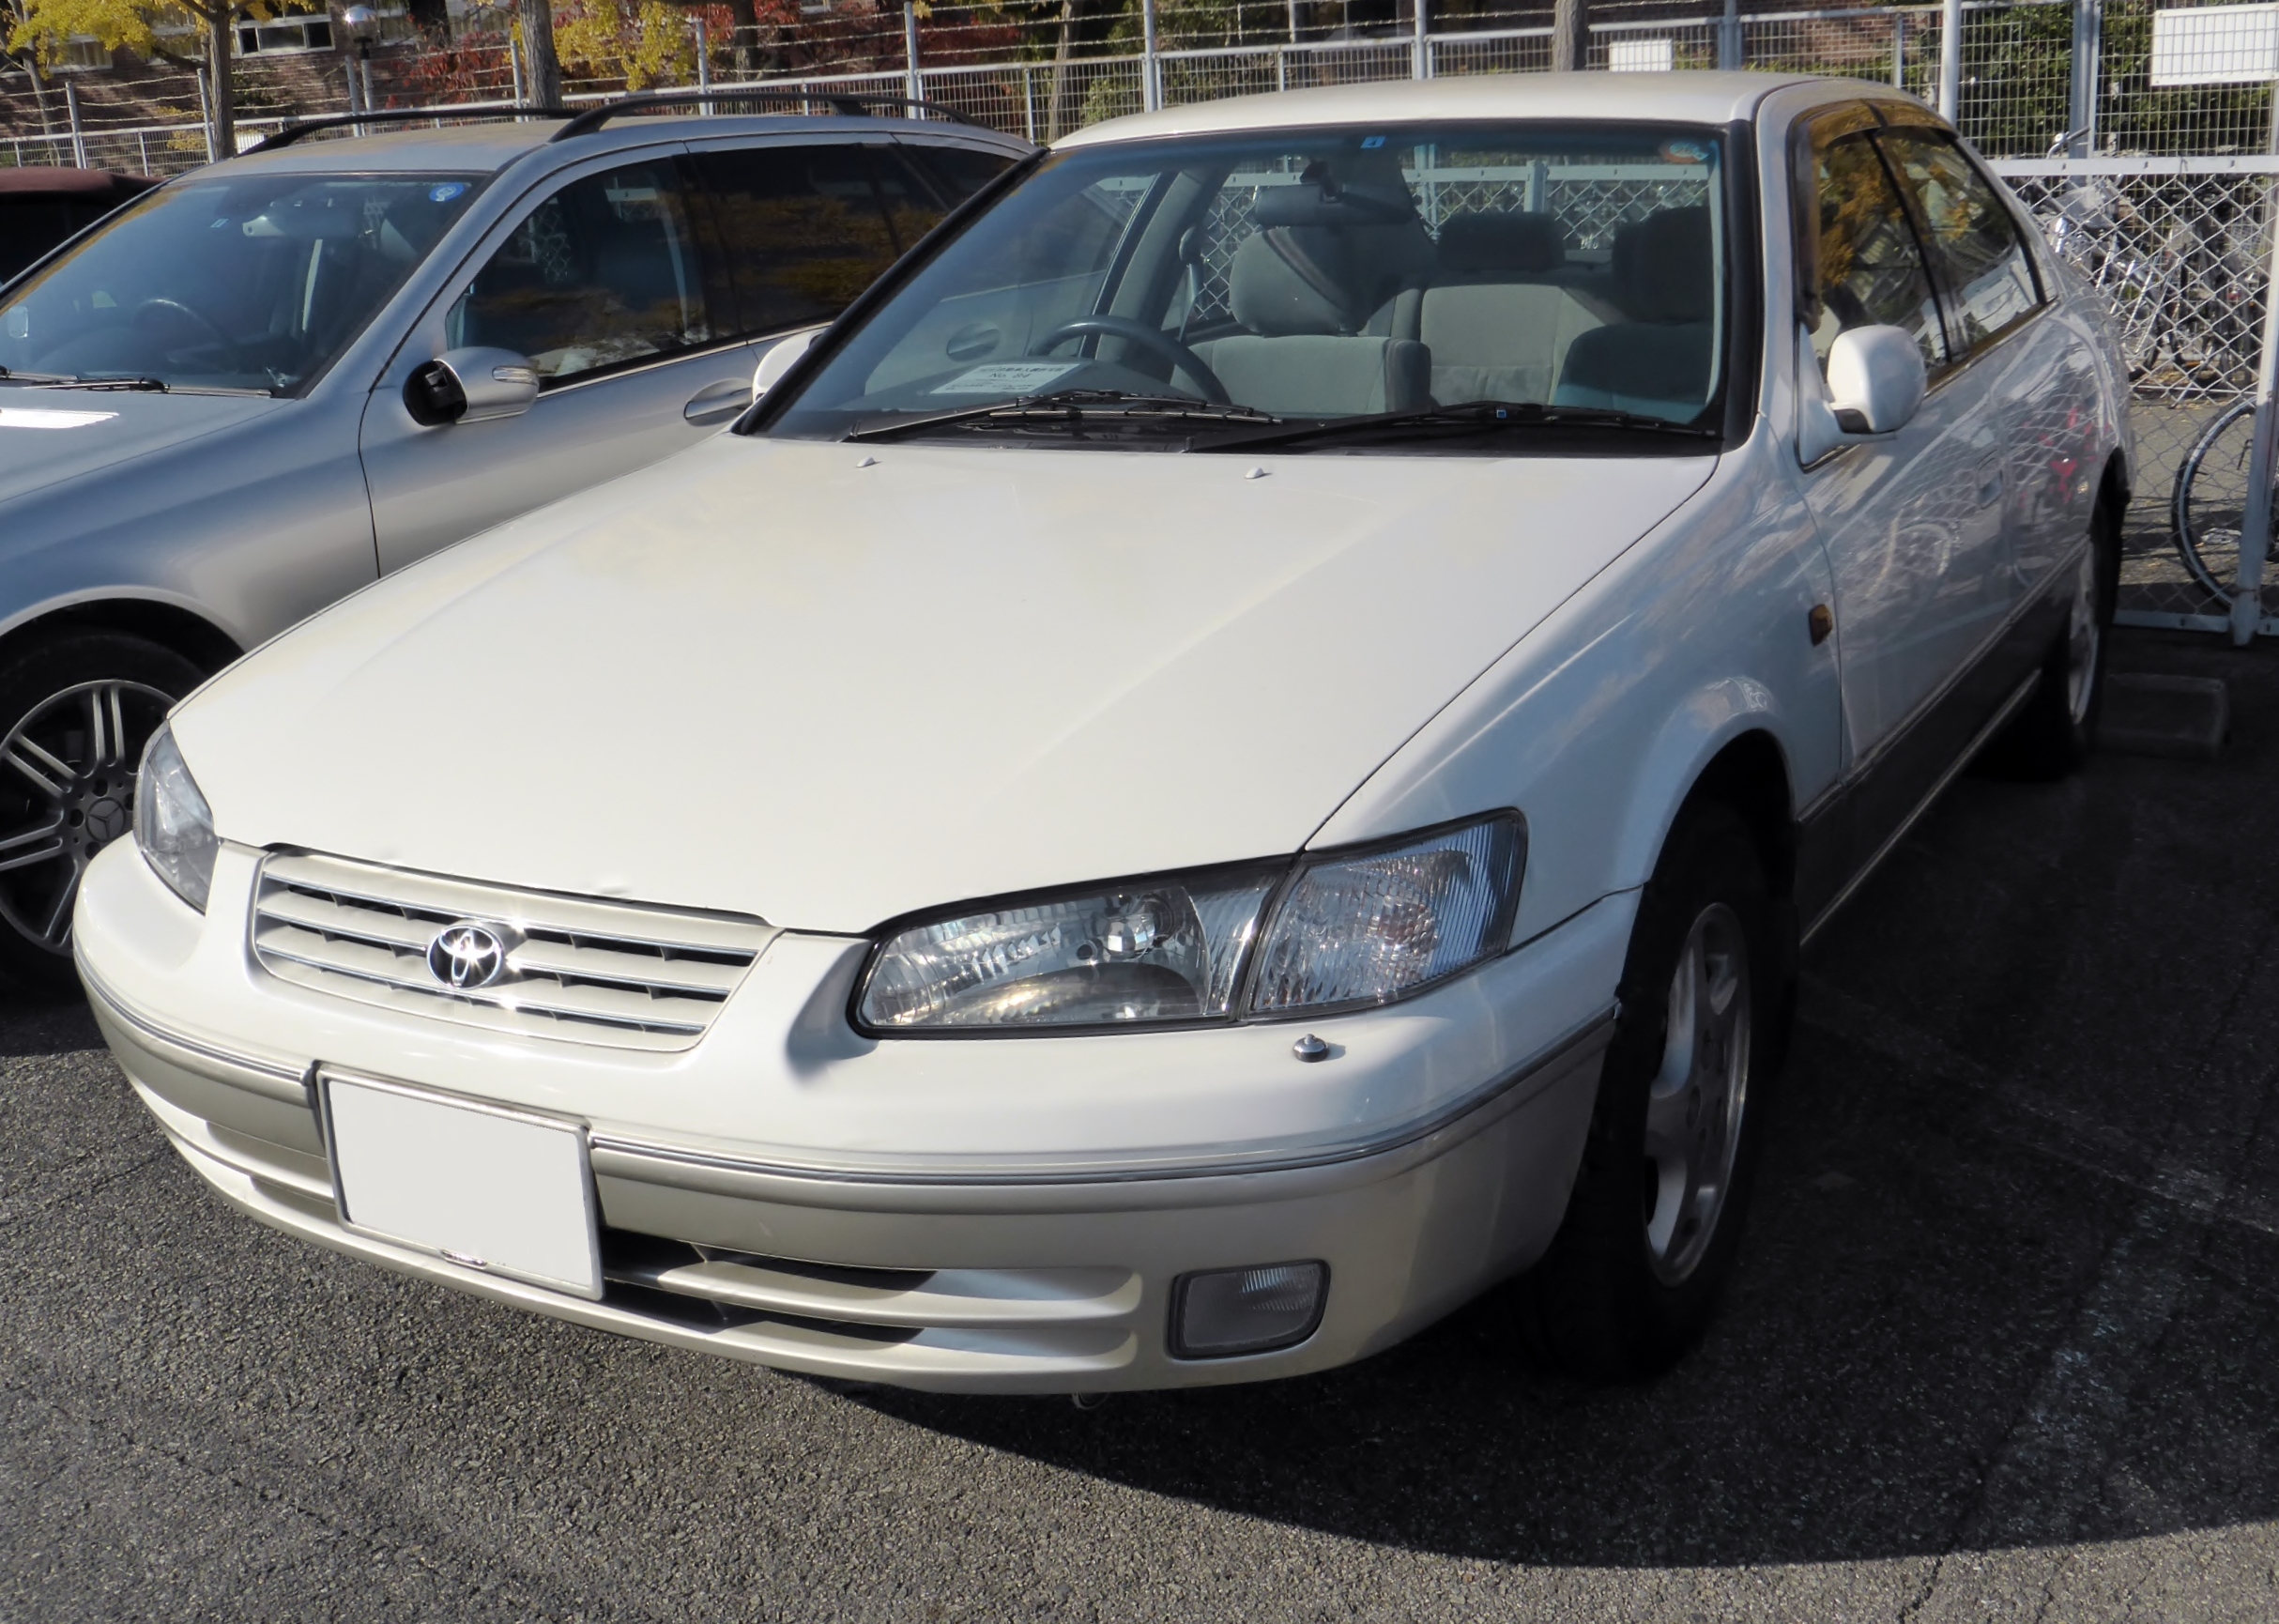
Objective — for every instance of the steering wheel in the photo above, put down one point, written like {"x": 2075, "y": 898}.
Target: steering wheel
{"x": 176, "y": 307}
{"x": 1146, "y": 337}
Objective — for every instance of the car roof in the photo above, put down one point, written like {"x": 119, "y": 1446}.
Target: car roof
{"x": 1688, "y": 98}
{"x": 488, "y": 146}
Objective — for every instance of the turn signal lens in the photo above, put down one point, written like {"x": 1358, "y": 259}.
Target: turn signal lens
{"x": 1223, "y": 1312}
{"x": 1370, "y": 929}
{"x": 172, "y": 822}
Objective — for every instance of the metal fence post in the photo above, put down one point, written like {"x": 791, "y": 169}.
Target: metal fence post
{"x": 1899, "y": 50}
{"x": 909, "y": 54}
{"x": 1420, "y": 45}
{"x": 2081, "y": 107}
{"x": 1729, "y": 37}
{"x": 2255, "y": 523}
{"x": 514, "y": 66}
{"x": 1150, "y": 78}
{"x": 206, "y": 114}
{"x": 1951, "y": 59}
{"x": 704, "y": 64}
{"x": 79, "y": 129}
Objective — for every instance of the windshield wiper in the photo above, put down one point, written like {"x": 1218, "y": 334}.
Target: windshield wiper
{"x": 1468, "y": 417}
{"x": 31, "y": 378}
{"x": 1072, "y": 406}
{"x": 122, "y": 380}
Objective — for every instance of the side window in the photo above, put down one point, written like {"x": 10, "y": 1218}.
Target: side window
{"x": 1973, "y": 238}
{"x": 802, "y": 228}
{"x": 603, "y": 273}
{"x": 912, "y": 209}
{"x": 958, "y": 172}
{"x": 1870, "y": 267}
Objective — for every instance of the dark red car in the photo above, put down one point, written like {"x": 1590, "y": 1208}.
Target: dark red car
{"x": 40, "y": 205}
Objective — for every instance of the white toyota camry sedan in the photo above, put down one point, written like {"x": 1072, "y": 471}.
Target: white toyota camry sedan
{"x": 1241, "y": 751}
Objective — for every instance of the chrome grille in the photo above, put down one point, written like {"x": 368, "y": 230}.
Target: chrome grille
{"x": 594, "y": 971}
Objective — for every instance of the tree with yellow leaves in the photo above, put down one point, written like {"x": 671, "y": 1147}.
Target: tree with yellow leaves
{"x": 43, "y": 28}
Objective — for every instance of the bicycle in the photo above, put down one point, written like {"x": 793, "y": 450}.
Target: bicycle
{"x": 2208, "y": 506}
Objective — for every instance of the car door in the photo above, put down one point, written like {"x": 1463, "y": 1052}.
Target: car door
{"x": 1912, "y": 520}
{"x": 604, "y": 284}
{"x": 2040, "y": 380}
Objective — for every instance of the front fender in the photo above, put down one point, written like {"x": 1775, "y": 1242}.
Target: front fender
{"x": 1598, "y": 724}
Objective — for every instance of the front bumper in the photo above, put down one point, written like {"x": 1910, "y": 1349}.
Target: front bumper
{"x": 925, "y": 1272}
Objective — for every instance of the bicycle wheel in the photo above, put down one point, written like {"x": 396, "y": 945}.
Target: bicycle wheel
{"x": 2211, "y": 501}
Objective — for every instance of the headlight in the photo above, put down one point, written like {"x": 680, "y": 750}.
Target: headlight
{"x": 172, "y": 822}
{"x": 1348, "y": 930}
{"x": 1168, "y": 949}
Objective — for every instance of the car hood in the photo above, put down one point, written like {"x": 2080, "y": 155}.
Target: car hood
{"x": 827, "y": 684}
{"x": 51, "y": 434}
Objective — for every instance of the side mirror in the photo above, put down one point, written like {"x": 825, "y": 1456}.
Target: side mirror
{"x": 470, "y": 386}
{"x": 1876, "y": 380}
{"x": 778, "y": 360}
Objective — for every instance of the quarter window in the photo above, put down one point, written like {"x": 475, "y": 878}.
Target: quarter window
{"x": 604, "y": 274}
{"x": 1870, "y": 267}
{"x": 1972, "y": 238}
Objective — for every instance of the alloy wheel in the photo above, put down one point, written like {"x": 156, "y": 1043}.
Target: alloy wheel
{"x": 66, "y": 790}
{"x": 1696, "y": 1099}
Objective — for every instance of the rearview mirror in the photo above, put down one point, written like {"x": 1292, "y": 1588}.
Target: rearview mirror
{"x": 1876, "y": 380}
{"x": 778, "y": 360}
{"x": 470, "y": 386}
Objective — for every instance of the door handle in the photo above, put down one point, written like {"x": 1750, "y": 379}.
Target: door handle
{"x": 718, "y": 401}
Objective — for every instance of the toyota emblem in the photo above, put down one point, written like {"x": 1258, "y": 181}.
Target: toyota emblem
{"x": 467, "y": 955}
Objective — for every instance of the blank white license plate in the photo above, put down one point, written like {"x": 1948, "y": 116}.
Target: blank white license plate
{"x": 502, "y": 1190}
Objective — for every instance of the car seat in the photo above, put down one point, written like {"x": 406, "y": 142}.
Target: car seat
{"x": 1321, "y": 269}
{"x": 1496, "y": 319}
{"x": 1659, "y": 363}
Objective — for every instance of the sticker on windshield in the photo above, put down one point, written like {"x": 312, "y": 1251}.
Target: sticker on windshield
{"x": 1008, "y": 378}
{"x": 445, "y": 192}
{"x": 28, "y": 418}
{"x": 1685, "y": 152}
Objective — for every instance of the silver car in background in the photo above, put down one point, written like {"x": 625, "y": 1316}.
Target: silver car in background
{"x": 282, "y": 377}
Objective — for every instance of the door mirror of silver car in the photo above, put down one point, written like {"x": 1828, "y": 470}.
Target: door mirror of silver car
{"x": 778, "y": 360}
{"x": 470, "y": 386}
{"x": 1876, "y": 380}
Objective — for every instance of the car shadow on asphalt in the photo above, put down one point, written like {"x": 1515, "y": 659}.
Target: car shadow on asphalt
{"x": 2008, "y": 1276}
{"x": 41, "y": 1020}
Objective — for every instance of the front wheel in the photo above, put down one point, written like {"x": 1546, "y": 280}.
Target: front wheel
{"x": 1653, "y": 1226}
{"x": 74, "y": 715}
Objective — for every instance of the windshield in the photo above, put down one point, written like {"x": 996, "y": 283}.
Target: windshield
{"x": 1312, "y": 276}
{"x": 249, "y": 282}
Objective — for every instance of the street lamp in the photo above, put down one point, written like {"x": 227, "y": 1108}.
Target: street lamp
{"x": 363, "y": 25}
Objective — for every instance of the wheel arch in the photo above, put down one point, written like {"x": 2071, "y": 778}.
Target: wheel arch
{"x": 168, "y": 623}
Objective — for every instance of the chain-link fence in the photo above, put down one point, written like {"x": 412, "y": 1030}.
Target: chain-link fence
{"x": 2180, "y": 248}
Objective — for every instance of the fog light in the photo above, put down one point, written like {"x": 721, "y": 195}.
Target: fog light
{"x": 1251, "y": 1310}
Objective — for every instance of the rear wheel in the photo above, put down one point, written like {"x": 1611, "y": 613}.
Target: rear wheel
{"x": 74, "y": 715}
{"x": 1652, "y": 1227}
{"x": 2055, "y": 730}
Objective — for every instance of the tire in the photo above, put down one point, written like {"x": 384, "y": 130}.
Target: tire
{"x": 75, "y": 712}
{"x": 2053, "y": 736}
{"x": 2207, "y": 506}
{"x": 1652, "y": 1229}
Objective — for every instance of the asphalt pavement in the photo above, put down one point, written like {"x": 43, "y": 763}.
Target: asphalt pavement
{"x": 2004, "y": 1341}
